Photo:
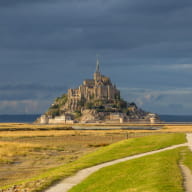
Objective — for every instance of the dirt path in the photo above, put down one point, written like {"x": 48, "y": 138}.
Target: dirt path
{"x": 69, "y": 182}
{"x": 189, "y": 140}
{"x": 187, "y": 178}
{"x": 185, "y": 170}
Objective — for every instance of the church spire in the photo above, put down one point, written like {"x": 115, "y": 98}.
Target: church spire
{"x": 97, "y": 75}
{"x": 97, "y": 65}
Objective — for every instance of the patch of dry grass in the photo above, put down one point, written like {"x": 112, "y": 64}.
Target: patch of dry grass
{"x": 39, "y": 133}
{"x": 177, "y": 128}
{"x": 36, "y": 133}
{"x": 9, "y": 150}
{"x": 27, "y": 126}
{"x": 25, "y": 154}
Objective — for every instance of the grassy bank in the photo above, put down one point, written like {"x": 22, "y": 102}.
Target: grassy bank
{"x": 154, "y": 173}
{"x": 108, "y": 153}
{"x": 134, "y": 146}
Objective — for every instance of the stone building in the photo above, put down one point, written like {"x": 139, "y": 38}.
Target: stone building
{"x": 65, "y": 119}
{"x": 98, "y": 88}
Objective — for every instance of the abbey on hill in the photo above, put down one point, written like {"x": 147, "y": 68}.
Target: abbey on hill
{"x": 96, "y": 100}
{"x": 98, "y": 88}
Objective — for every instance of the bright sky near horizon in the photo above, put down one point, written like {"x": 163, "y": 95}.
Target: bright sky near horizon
{"x": 47, "y": 46}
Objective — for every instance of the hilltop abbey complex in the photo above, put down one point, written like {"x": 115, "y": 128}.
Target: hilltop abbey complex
{"x": 98, "y": 88}
{"x": 94, "y": 101}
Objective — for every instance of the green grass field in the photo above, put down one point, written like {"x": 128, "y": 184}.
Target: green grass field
{"x": 154, "y": 173}
{"x": 133, "y": 146}
{"x": 114, "y": 151}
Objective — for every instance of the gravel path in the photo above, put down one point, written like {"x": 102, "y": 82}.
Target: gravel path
{"x": 185, "y": 170}
{"x": 189, "y": 140}
{"x": 187, "y": 178}
{"x": 69, "y": 182}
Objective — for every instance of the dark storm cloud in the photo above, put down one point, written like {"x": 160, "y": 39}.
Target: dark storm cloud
{"x": 153, "y": 6}
{"x": 45, "y": 42}
{"x": 163, "y": 101}
{"x": 97, "y": 25}
{"x": 29, "y": 91}
{"x": 30, "y": 87}
{"x": 9, "y": 3}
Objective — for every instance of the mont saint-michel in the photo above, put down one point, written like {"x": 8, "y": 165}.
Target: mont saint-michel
{"x": 94, "y": 101}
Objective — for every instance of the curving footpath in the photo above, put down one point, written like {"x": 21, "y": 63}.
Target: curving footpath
{"x": 185, "y": 170}
{"x": 69, "y": 182}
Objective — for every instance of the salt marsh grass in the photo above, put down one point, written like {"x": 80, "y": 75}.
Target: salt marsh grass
{"x": 10, "y": 150}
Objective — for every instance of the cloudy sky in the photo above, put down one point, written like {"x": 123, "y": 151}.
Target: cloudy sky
{"x": 47, "y": 46}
